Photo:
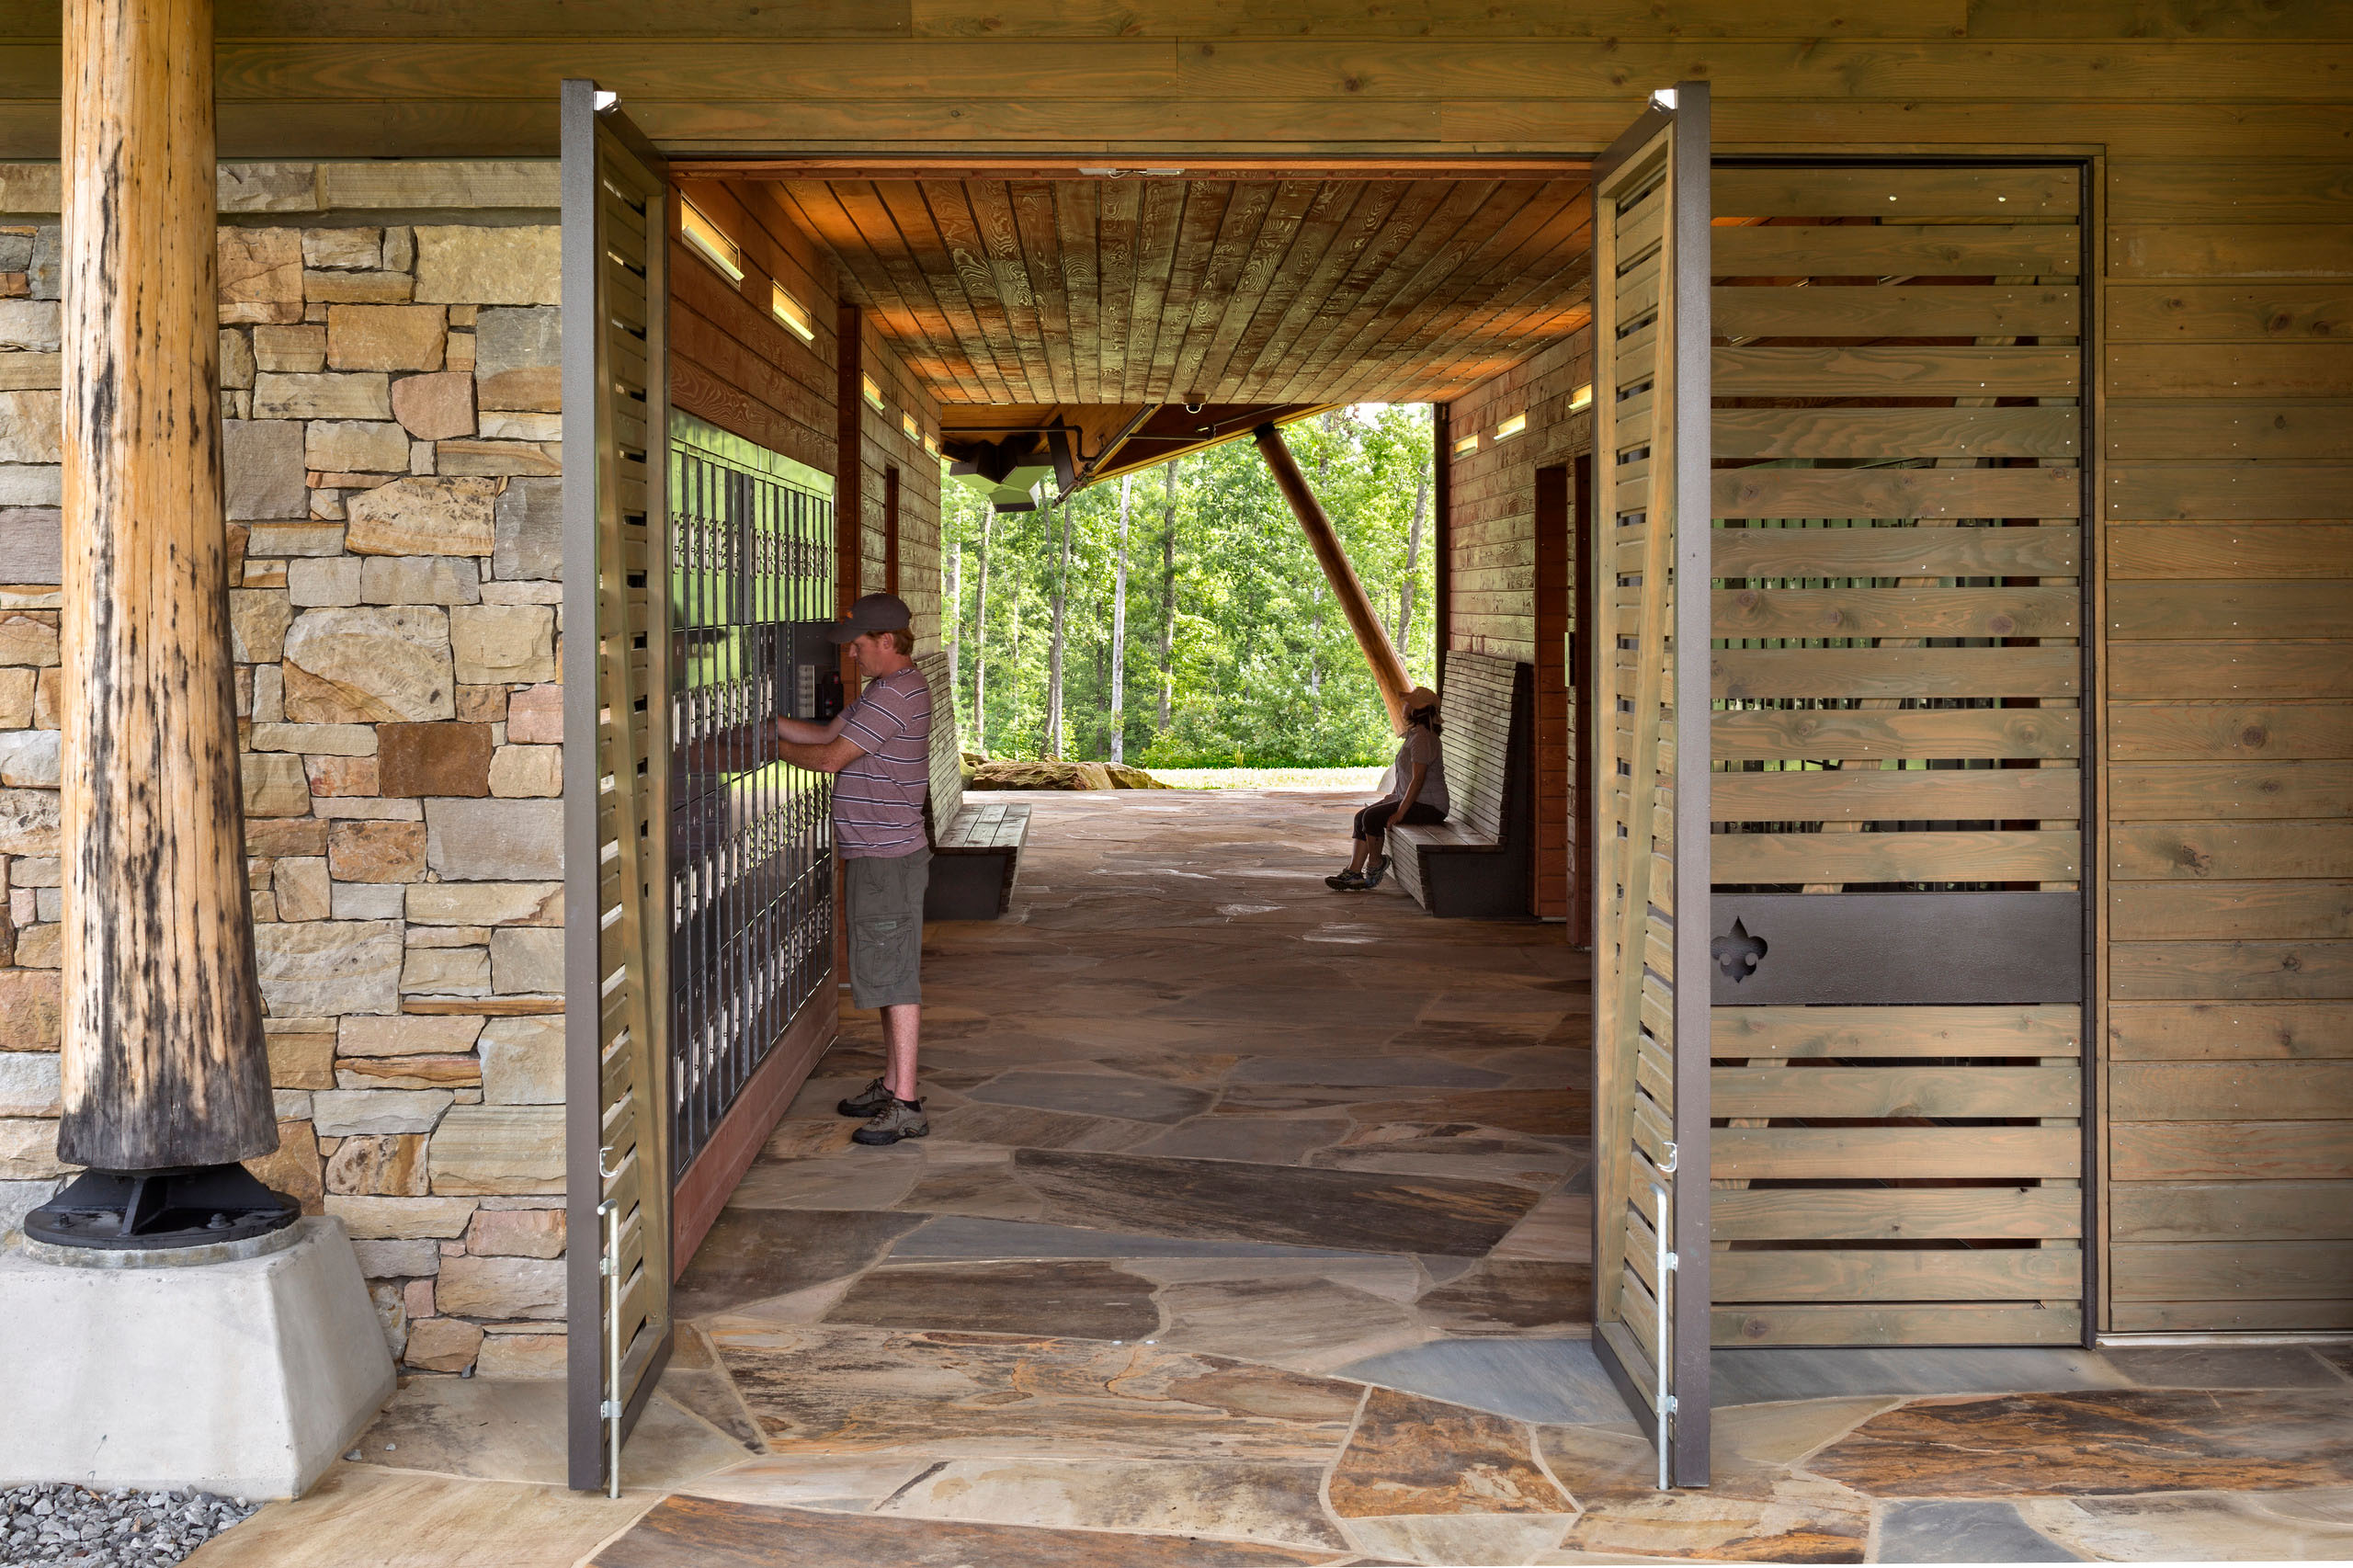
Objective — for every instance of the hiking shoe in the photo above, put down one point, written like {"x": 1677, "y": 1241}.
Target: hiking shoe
{"x": 867, "y": 1101}
{"x": 1346, "y": 881}
{"x": 1372, "y": 875}
{"x": 897, "y": 1120}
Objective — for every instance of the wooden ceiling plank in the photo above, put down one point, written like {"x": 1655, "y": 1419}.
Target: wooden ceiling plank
{"x": 1356, "y": 234}
{"x": 1205, "y": 207}
{"x": 1486, "y": 319}
{"x": 1163, "y": 223}
{"x": 1458, "y": 227}
{"x": 1310, "y": 256}
{"x": 1420, "y": 224}
{"x": 1261, "y": 287}
{"x": 1246, "y": 216}
{"x": 939, "y": 346}
{"x": 1120, "y": 207}
{"x": 1429, "y": 297}
{"x": 960, "y": 232}
{"x": 911, "y": 216}
{"x": 1000, "y": 237}
{"x": 1041, "y": 262}
{"x": 1076, "y": 231}
{"x": 1516, "y": 210}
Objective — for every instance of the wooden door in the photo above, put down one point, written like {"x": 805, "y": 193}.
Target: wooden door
{"x": 1649, "y": 533}
{"x": 1900, "y": 937}
{"x": 615, "y": 728}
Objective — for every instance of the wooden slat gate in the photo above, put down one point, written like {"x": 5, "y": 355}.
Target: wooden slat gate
{"x": 616, "y": 732}
{"x": 1899, "y": 934}
{"x": 1649, "y": 785}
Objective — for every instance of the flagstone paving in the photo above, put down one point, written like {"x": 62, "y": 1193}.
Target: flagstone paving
{"x": 1253, "y": 1229}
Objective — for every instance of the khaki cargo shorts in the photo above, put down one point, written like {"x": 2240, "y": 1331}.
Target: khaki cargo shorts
{"x": 886, "y": 927}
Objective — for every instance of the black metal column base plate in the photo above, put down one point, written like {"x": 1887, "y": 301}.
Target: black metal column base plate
{"x": 181, "y": 1206}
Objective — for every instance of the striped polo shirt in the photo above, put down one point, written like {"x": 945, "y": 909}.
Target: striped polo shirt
{"x": 878, "y": 799}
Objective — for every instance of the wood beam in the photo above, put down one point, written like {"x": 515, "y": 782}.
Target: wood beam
{"x": 1372, "y": 638}
{"x": 163, "y": 1059}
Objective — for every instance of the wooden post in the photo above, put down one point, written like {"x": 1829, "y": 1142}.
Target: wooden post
{"x": 1372, "y": 638}
{"x": 164, "y": 1063}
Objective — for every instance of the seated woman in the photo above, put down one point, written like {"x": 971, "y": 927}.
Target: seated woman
{"x": 1416, "y": 794}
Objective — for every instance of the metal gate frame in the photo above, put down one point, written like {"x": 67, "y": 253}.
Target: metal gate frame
{"x": 1672, "y": 1396}
{"x": 616, "y": 727}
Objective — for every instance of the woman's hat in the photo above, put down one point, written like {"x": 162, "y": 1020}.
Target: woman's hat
{"x": 1420, "y": 697}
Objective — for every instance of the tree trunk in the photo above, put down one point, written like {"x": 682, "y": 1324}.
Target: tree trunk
{"x": 980, "y": 641}
{"x": 1167, "y": 601}
{"x": 1053, "y": 743}
{"x": 1013, "y": 665}
{"x": 163, "y": 1060}
{"x": 1413, "y": 562}
{"x": 952, "y": 623}
{"x": 1120, "y": 631}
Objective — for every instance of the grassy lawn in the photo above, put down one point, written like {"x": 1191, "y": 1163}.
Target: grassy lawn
{"x": 1361, "y": 778}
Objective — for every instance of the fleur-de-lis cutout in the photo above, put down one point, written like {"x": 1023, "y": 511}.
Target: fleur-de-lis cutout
{"x": 1738, "y": 954}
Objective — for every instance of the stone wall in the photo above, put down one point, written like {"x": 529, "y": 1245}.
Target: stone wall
{"x": 389, "y": 381}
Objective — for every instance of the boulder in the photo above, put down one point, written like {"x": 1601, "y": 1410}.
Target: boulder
{"x": 1045, "y": 773}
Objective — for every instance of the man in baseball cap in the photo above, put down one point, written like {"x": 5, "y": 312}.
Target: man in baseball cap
{"x": 875, "y": 612}
{"x": 879, "y": 750}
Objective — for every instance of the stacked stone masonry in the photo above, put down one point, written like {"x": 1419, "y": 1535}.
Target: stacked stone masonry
{"x": 389, "y": 384}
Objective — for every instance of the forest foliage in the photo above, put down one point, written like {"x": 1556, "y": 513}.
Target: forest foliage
{"x": 1236, "y": 654}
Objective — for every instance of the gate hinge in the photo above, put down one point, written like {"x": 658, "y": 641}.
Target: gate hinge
{"x": 1671, "y": 1404}
{"x": 611, "y": 1410}
{"x": 1672, "y": 1259}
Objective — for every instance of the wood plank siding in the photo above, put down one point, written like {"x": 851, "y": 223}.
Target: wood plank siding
{"x": 2228, "y": 635}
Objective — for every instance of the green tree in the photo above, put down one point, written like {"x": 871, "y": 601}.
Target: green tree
{"x": 1262, "y": 668}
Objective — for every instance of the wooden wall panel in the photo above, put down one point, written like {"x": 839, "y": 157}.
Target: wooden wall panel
{"x": 2228, "y": 515}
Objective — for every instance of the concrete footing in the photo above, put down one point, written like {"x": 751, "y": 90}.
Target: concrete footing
{"x": 245, "y": 1376}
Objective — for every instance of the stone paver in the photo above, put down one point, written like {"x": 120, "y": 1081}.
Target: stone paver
{"x": 1057, "y": 1332}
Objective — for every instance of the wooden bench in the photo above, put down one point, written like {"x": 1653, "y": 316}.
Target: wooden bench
{"x": 975, "y": 845}
{"x": 1479, "y": 863}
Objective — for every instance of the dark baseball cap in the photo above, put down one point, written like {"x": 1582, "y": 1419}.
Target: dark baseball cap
{"x": 875, "y": 612}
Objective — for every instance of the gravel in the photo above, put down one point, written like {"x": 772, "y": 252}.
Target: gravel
{"x": 61, "y": 1523}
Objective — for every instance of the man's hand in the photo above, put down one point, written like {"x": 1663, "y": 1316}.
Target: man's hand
{"x": 802, "y": 731}
{"x": 835, "y": 752}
